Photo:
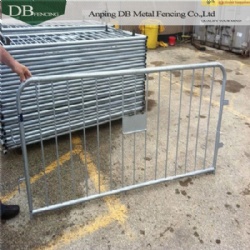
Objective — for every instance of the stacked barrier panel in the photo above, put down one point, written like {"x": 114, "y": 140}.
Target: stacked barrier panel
{"x": 69, "y": 49}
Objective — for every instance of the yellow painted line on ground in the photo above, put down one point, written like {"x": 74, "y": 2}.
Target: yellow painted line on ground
{"x": 80, "y": 231}
{"x": 231, "y": 109}
{"x": 114, "y": 205}
{"x": 51, "y": 167}
{"x": 111, "y": 201}
{"x": 64, "y": 158}
{"x": 237, "y": 113}
{"x": 10, "y": 195}
{"x": 117, "y": 211}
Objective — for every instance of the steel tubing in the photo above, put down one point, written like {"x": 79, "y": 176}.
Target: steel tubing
{"x": 70, "y": 48}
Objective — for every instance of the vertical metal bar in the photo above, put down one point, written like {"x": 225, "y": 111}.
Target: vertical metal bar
{"x": 208, "y": 118}
{"x": 222, "y": 98}
{"x": 134, "y": 159}
{"x": 98, "y": 138}
{"x": 122, "y": 133}
{"x": 145, "y": 133}
{"x": 158, "y": 124}
{"x": 134, "y": 132}
{"x": 24, "y": 152}
{"x": 169, "y": 117}
{"x": 110, "y": 139}
{"x": 73, "y": 185}
{"x": 56, "y": 141}
{"x": 84, "y": 142}
{"x": 42, "y": 148}
{"x": 189, "y": 119}
{"x": 198, "y": 124}
{"x": 179, "y": 125}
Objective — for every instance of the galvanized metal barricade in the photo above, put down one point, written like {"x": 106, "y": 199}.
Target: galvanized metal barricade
{"x": 174, "y": 132}
{"x": 72, "y": 47}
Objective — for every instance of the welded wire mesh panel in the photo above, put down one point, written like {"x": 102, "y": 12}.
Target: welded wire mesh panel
{"x": 168, "y": 129}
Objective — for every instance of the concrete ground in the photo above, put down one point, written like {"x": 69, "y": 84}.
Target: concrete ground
{"x": 203, "y": 212}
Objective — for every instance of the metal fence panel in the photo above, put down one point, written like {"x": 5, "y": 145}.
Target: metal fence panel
{"x": 148, "y": 126}
{"x": 46, "y": 50}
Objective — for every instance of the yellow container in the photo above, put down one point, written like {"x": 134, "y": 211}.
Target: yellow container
{"x": 151, "y": 31}
{"x": 151, "y": 28}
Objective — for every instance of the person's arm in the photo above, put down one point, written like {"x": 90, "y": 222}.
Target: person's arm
{"x": 16, "y": 67}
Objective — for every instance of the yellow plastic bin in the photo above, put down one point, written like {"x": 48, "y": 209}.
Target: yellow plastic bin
{"x": 151, "y": 31}
{"x": 151, "y": 28}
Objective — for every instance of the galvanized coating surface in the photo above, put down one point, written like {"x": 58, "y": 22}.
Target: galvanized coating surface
{"x": 74, "y": 48}
{"x": 54, "y": 118}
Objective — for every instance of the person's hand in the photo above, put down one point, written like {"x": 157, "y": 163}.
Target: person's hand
{"x": 22, "y": 71}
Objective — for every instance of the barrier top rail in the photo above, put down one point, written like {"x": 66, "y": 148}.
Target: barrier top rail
{"x": 44, "y": 79}
{"x": 73, "y": 76}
